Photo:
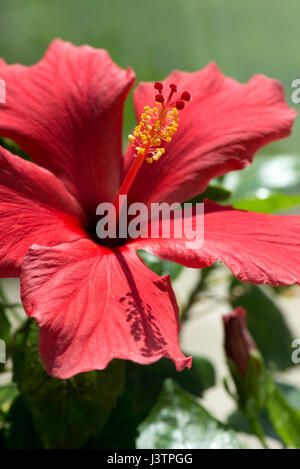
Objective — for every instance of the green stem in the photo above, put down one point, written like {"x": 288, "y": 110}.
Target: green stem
{"x": 11, "y": 306}
{"x": 258, "y": 431}
{"x": 194, "y": 293}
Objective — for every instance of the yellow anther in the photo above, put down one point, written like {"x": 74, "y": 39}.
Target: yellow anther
{"x": 158, "y": 154}
{"x": 131, "y": 138}
{"x": 157, "y": 126}
{"x": 140, "y": 151}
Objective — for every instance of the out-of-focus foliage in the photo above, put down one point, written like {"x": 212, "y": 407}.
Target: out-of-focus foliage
{"x": 265, "y": 322}
{"x": 65, "y": 412}
{"x": 285, "y": 418}
{"x": 143, "y": 386}
{"x": 159, "y": 266}
{"x": 145, "y": 383}
{"x": 19, "y": 431}
{"x": 290, "y": 398}
{"x": 5, "y": 327}
{"x": 8, "y": 393}
{"x": 270, "y": 184}
{"x": 179, "y": 421}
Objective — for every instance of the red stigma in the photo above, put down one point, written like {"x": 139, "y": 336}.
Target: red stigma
{"x": 169, "y": 102}
{"x": 179, "y": 105}
{"x": 159, "y": 98}
{"x": 158, "y": 86}
{"x": 186, "y": 96}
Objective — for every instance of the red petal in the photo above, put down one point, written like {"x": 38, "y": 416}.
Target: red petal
{"x": 220, "y": 130}
{"x": 257, "y": 248}
{"x": 66, "y": 113}
{"x": 35, "y": 207}
{"x": 93, "y": 305}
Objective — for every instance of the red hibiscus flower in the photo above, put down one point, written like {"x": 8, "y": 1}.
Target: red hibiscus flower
{"x": 93, "y": 302}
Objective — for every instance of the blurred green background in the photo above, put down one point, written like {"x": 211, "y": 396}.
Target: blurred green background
{"x": 157, "y": 36}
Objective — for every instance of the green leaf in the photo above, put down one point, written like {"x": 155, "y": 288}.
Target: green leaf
{"x": 253, "y": 389}
{"x": 199, "y": 378}
{"x": 291, "y": 394}
{"x": 286, "y": 290}
{"x": 159, "y": 266}
{"x": 285, "y": 418}
{"x": 212, "y": 192}
{"x": 65, "y": 412}
{"x": 238, "y": 422}
{"x": 5, "y": 327}
{"x": 271, "y": 203}
{"x": 8, "y": 393}
{"x": 179, "y": 421}
{"x": 265, "y": 320}
{"x": 13, "y": 148}
{"x": 122, "y": 416}
{"x": 267, "y": 185}
{"x": 144, "y": 383}
{"x": 20, "y": 431}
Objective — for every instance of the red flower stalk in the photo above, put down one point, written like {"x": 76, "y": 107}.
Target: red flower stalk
{"x": 238, "y": 341}
{"x": 95, "y": 302}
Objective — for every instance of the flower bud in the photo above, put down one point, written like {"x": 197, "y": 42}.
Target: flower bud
{"x": 238, "y": 341}
{"x": 246, "y": 365}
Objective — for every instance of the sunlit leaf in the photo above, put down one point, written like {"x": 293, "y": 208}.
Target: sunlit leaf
{"x": 269, "y": 184}
{"x": 144, "y": 383}
{"x": 285, "y": 419}
{"x": 271, "y": 203}
{"x": 159, "y": 266}
{"x": 179, "y": 421}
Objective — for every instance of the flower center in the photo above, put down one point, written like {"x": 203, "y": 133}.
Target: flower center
{"x": 156, "y": 128}
{"x": 158, "y": 124}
